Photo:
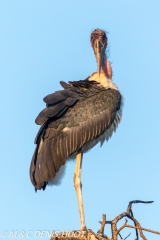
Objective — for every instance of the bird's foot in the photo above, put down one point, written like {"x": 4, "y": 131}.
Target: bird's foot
{"x": 83, "y": 228}
{"x": 84, "y": 231}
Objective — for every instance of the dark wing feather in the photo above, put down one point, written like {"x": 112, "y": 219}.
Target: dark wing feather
{"x": 56, "y": 104}
{"x": 64, "y": 134}
{"x": 64, "y": 84}
{"x": 56, "y": 97}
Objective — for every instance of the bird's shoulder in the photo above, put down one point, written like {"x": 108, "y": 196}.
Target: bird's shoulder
{"x": 59, "y": 102}
{"x": 76, "y": 103}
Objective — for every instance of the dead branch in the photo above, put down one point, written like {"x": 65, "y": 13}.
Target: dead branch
{"x": 101, "y": 231}
{"x": 90, "y": 235}
{"x": 144, "y": 229}
{"x": 136, "y": 201}
{"x": 125, "y": 237}
{"x": 127, "y": 214}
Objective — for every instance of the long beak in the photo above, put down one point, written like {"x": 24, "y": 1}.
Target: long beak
{"x": 99, "y": 51}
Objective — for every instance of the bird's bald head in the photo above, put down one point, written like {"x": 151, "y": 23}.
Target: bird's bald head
{"x": 99, "y": 44}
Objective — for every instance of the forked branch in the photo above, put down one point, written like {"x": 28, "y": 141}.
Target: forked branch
{"x": 128, "y": 214}
{"x": 90, "y": 235}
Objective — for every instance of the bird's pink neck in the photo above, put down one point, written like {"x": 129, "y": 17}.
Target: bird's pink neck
{"x": 107, "y": 69}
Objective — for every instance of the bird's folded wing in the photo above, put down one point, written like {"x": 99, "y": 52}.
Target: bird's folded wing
{"x": 86, "y": 120}
{"x": 58, "y": 103}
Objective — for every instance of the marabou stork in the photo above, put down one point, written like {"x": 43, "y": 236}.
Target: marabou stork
{"x": 75, "y": 119}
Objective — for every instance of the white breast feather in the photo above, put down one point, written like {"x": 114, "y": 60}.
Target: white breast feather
{"x": 103, "y": 80}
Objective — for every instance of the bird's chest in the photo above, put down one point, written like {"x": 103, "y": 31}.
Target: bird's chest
{"x": 103, "y": 80}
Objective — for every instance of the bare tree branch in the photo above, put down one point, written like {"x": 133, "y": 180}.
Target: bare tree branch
{"x": 101, "y": 231}
{"x": 127, "y": 236}
{"x": 137, "y": 236}
{"x": 136, "y": 201}
{"x": 90, "y": 235}
{"x": 128, "y": 214}
{"x": 144, "y": 229}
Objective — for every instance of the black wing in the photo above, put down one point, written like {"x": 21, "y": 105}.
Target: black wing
{"x": 74, "y": 116}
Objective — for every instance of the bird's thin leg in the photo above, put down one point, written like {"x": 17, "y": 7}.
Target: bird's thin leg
{"x": 78, "y": 187}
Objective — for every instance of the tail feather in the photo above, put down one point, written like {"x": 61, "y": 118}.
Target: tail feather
{"x": 42, "y": 163}
{"x": 50, "y": 154}
{"x": 32, "y": 166}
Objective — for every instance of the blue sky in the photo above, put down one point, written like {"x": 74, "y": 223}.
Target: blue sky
{"x": 43, "y": 42}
